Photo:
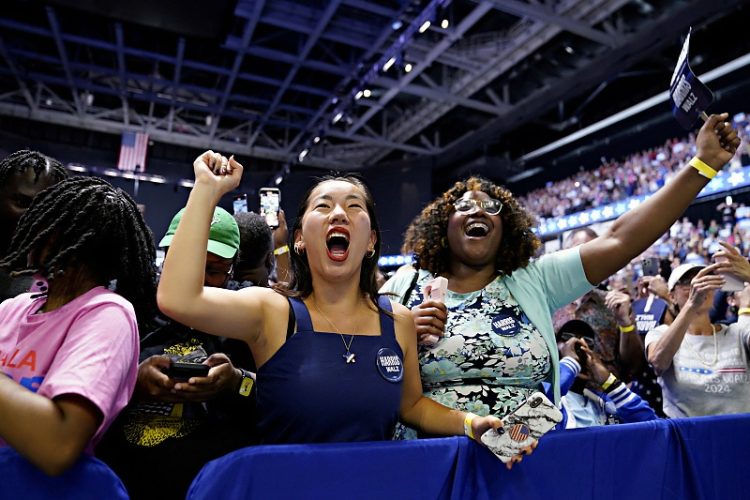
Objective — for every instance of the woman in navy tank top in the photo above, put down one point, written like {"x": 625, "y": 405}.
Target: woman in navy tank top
{"x": 335, "y": 361}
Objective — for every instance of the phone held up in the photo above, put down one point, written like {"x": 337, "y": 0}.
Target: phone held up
{"x": 240, "y": 204}
{"x": 531, "y": 420}
{"x": 434, "y": 290}
{"x": 270, "y": 198}
{"x": 733, "y": 283}
{"x": 650, "y": 266}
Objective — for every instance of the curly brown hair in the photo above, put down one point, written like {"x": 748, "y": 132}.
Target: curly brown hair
{"x": 427, "y": 235}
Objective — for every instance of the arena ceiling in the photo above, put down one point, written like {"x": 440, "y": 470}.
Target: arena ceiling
{"x": 350, "y": 84}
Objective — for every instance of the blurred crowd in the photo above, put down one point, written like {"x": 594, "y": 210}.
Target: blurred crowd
{"x": 614, "y": 180}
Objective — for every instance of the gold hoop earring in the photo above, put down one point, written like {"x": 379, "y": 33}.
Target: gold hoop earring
{"x": 298, "y": 248}
{"x": 370, "y": 254}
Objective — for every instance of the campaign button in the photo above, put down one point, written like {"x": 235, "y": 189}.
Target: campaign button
{"x": 506, "y": 325}
{"x": 390, "y": 365}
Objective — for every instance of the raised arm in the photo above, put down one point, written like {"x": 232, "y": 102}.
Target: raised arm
{"x": 181, "y": 294}
{"x": 631, "y": 346}
{"x": 634, "y": 231}
{"x": 661, "y": 352}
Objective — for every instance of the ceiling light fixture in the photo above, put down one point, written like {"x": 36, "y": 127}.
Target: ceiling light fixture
{"x": 389, "y": 63}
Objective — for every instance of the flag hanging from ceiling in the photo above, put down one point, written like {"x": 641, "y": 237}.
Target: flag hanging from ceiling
{"x": 133, "y": 152}
{"x": 689, "y": 96}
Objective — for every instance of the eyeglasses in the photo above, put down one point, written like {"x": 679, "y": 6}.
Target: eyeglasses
{"x": 222, "y": 273}
{"x": 490, "y": 206}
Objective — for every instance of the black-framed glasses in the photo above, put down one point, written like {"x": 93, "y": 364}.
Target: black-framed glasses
{"x": 490, "y": 206}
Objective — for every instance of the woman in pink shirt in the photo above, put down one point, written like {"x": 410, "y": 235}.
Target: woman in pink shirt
{"x": 70, "y": 351}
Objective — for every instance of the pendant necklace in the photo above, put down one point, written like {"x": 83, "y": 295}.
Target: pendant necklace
{"x": 716, "y": 350}
{"x": 348, "y": 356}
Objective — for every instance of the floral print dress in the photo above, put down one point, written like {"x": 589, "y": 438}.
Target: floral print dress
{"x": 491, "y": 357}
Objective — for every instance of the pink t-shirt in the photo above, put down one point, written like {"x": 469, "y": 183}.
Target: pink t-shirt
{"x": 87, "y": 347}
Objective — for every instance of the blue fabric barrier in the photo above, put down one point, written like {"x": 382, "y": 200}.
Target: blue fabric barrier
{"x": 699, "y": 458}
{"x": 89, "y": 478}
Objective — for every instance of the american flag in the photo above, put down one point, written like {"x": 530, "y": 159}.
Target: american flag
{"x": 133, "y": 152}
{"x": 519, "y": 432}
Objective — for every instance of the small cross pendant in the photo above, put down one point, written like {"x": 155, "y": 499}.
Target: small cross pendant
{"x": 349, "y": 357}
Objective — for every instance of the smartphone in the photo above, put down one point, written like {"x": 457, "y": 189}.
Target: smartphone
{"x": 531, "y": 420}
{"x": 733, "y": 283}
{"x": 583, "y": 358}
{"x": 240, "y": 204}
{"x": 650, "y": 266}
{"x": 184, "y": 371}
{"x": 434, "y": 290}
{"x": 269, "y": 205}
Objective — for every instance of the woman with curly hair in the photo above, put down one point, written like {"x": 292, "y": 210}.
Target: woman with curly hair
{"x": 492, "y": 342}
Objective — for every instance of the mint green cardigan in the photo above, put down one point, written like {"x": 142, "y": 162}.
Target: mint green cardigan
{"x": 540, "y": 288}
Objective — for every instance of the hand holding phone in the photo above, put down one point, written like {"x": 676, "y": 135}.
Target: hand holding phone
{"x": 184, "y": 371}
{"x": 434, "y": 290}
{"x": 732, "y": 282}
{"x": 530, "y": 421}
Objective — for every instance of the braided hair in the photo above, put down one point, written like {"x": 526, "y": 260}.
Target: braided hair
{"x": 84, "y": 222}
{"x": 23, "y": 159}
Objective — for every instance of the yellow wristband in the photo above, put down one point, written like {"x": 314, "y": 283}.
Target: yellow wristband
{"x": 611, "y": 380}
{"x": 281, "y": 250}
{"x": 743, "y": 310}
{"x": 702, "y": 167}
{"x": 626, "y": 329}
{"x": 467, "y": 424}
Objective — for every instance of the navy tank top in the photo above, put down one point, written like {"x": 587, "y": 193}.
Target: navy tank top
{"x": 308, "y": 393}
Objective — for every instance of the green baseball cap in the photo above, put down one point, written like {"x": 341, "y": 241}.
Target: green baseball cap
{"x": 223, "y": 237}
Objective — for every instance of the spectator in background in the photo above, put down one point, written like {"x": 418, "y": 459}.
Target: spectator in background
{"x": 592, "y": 309}
{"x": 639, "y": 173}
{"x": 591, "y": 394}
{"x": 255, "y": 259}
{"x": 634, "y": 321}
{"x": 76, "y": 342}
{"x": 702, "y": 366}
{"x": 173, "y": 427}
{"x": 23, "y": 174}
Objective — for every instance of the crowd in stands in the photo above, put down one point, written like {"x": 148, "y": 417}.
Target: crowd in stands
{"x": 694, "y": 242}
{"x": 158, "y": 392}
{"x": 615, "y": 180}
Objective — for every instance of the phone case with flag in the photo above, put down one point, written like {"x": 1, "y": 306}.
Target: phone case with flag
{"x": 530, "y": 421}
